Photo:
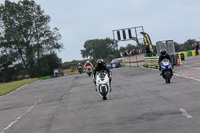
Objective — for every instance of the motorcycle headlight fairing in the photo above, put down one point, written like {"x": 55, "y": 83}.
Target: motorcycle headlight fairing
{"x": 163, "y": 67}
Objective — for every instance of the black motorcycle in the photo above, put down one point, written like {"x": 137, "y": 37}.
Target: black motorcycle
{"x": 80, "y": 69}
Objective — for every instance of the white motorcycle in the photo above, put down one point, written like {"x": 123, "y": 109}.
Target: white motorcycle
{"x": 102, "y": 84}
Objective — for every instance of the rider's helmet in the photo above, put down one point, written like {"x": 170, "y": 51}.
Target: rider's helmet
{"x": 163, "y": 52}
{"x": 79, "y": 64}
{"x": 87, "y": 61}
{"x": 100, "y": 62}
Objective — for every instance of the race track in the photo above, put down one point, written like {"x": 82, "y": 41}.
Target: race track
{"x": 141, "y": 102}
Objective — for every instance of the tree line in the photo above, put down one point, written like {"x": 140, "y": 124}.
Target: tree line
{"x": 187, "y": 45}
{"x": 108, "y": 49}
{"x": 28, "y": 44}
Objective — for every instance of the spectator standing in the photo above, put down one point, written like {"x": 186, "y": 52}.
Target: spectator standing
{"x": 140, "y": 51}
{"x": 136, "y": 51}
{"x": 148, "y": 51}
{"x": 126, "y": 53}
{"x": 196, "y": 48}
{"x": 56, "y": 72}
{"x": 131, "y": 52}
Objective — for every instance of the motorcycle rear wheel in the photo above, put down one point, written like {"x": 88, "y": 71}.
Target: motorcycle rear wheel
{"x": 89, "y": 74}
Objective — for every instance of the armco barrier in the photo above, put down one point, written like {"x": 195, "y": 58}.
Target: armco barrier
{"x": 182, "y": 56}
{"x": 179, "y": 56}
{"x": 188, "y": 53}
{"x": 193, "y": 53}
{"x": 185, "y": 54}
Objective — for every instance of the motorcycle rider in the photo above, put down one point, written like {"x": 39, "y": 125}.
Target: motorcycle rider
{"x": 163, "y": 55}
{"x": 79, "y": 64}
{"x": 88, "y": 63}
{"x": 56, "y": 72}
{"x": 101, "y": 65}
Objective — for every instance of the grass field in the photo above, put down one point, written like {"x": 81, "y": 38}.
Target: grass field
{"x": 5, "y": 88}
{"x": 45, "y": 77}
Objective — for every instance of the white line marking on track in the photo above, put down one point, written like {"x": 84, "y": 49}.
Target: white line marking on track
{"x": 149, "y": 68}
{"x": 13, "y": 122}
{"x": 174, "y": 74}
{"x": 63, "y": 98}
{"x": 188, "y": 66}
{"x": 185, "y": 113}
{"x": 192, "y": 67}
{"x": 186, "y": 77}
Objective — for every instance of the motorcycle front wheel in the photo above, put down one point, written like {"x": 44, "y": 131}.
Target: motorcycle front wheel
{"x": 168, "y": 77}
{"x": 104, "y": 93}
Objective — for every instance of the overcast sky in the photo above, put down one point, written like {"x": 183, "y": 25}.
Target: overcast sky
{"x": 82, "y": 20}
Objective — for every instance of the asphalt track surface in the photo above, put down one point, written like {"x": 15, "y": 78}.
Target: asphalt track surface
{"x": 141, "y": 102}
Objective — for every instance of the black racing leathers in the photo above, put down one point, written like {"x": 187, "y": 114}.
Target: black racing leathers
{"x": 79, "y": 66}
{"x": 100, "y": 68}
{"x": 162, "y": 57}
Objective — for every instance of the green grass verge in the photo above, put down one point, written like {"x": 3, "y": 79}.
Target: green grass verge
{"x": 76, "y": 72}
{"x": 5, "y": 88}
{"x": 45, "y": 77}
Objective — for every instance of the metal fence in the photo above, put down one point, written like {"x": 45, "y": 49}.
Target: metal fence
{"x": 167, "y": 44}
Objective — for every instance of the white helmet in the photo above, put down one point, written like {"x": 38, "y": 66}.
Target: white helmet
{"x": 88, "y": 61}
